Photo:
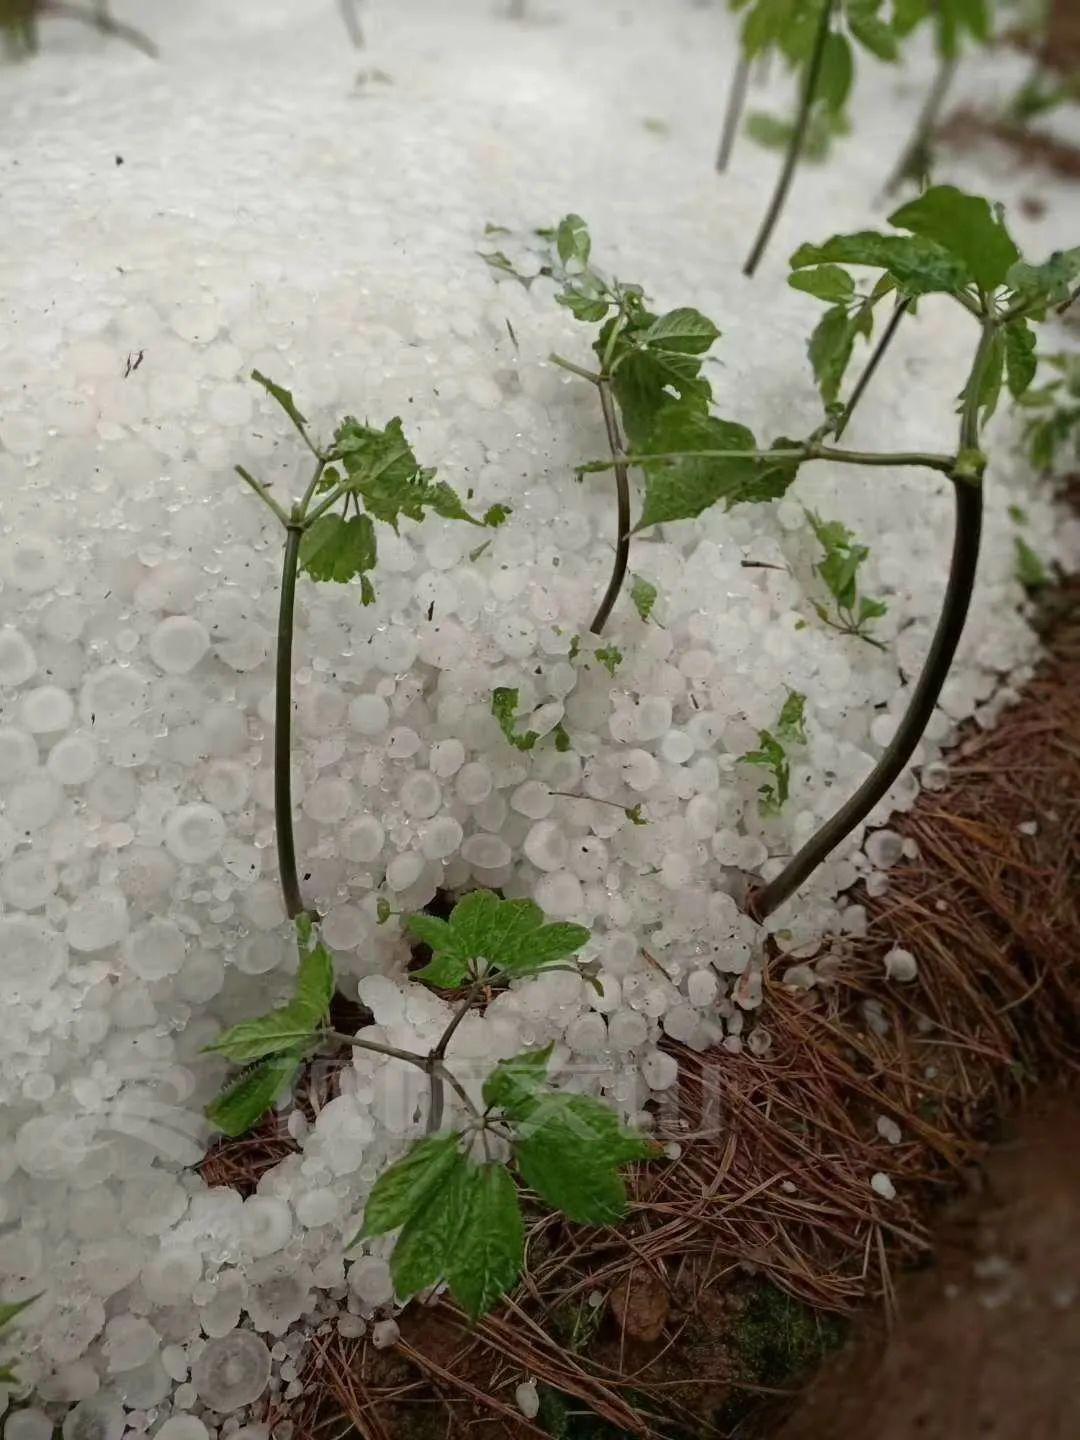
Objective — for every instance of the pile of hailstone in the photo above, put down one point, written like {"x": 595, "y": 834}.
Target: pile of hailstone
{"x": 332, "y": 245}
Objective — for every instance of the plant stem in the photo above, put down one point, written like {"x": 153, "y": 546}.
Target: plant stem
{"x": 263, "y": 493}
{"x": 437, "y": 1071}
{"x": 733, "y": 111}
{"x": 969, "y": 506}
{"x": 925, "y": 126}
{"x": 101, "y": 20}
{"x": 622, "y": 504}
{"x": 810, "y": 451}
{"x": 798, "y": 139}
{"x": 901, "y": 309}
{"x": 409, "y": 1056}
{"x": 351, "y": 16}
{"x": 563, "y": 363}
{"x": 286, "y": 846}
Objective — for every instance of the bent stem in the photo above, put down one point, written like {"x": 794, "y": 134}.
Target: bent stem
{"x": 901, "y": 309}
{"x": 795, "y": 144}
{"x": 99, "y": 19}
{"x": 622, "y": 506}
{"x": 733, "y": 112}
{"x": 911, "y": 157}
{"x": 965, "y": 556}
{"x": 286, "y": 845}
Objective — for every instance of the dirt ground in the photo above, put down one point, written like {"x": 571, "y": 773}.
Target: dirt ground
{"x": 987, "y": 1342}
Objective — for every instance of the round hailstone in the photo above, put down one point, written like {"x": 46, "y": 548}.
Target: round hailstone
{"x": 884, "y": 848}
{"x": 155, "y": 950}
{"x": 99, "y": 1418}
{"x": 34, "y": 802}
{"x": 46, "y": 709}
{"x": 178, "y": 644}
{"x": 328, "y": 800}
{"x": 402, "y": 742}
{"x": 474, "y": 782}
{"x": 194, "y": 833}
{"x": 363, "y": 839}
{"x": 114, "y": 698}
{"x": 404, "y": 870}
{"x": 182, "y": 1427}
{"x": 28, "y": 1424}
{"x": 659, "y": 1070}
{"x": 447, "y": 758}
{"x": 533, "y": 799}
{"x": 18, "y": 753}
{"x": 441, "y": 838}
{"x": 32, "y": 562}
{"x": 267, "y": 1224}
{"x": 28, "y": 880}
{"x": 97, "y": 920}
{"x": 17, "y": 659}
{"x": 34, "y": 957}
{"x": 486, "y": 852}
{"x": 232, "y": 1372}
{"x": 370, "y": 1282}
{"x": 50, "y": 1145}
{"x": 344, "y": 927}
{"x": 113, "y": 793}
{"x": 546, "y": 845}
{"x": 170, "y": 1277}
{"x": 421, "y": 795}
{"x": 528, "y": 1399}
{"x": 900, "y": 964}
{"x": 279, "y": 1291}
{"x": 73, "y": 760}
{"x": 369, "y": 714}
{"x": 145, "y": 1386}
{"x": 226, "y": 784}
{"x": 384, "y": 1334}
{"x": 129, "y": 1342}
{"x": 110, "y": 1265}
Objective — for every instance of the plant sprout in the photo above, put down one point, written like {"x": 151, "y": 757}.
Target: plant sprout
{"x": 454, "y": 1196}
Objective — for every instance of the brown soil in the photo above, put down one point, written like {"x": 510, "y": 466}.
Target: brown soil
{"x": 967, "y": 128}
{"x": 988, "y": 1339}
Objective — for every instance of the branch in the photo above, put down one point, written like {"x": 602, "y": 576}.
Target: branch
{"x": 410, "y": 1058}
{"x": 901, "y": 309}
{"x": 622, "y": 514}
{"x": 263, "y": 493}
{"x": 810, "y": 451}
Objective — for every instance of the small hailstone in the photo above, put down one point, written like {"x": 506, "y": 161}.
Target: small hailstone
{"x": 1028, "y": 827}
{"x": 473, "y": 782}
{"x": 889, "y": 1130}
{"x": 527, "y": 1398}
{"x": 194, "y": 833}
{"x": 232, "y": 1371}
{"x": 884, "y": 848}
{"x": 384, "y": 1334}
{"x": 486, "y": 852}
{"x": 441, "y": 838}
{"x": 98, "y": 1418}
{"x": 369, "y": 714}
{"x": 351, "y": 1327}
{"x": 900, "y": 964}
{"x": 546, "y": 845}
{"x": 883, "y": 1186}
{"x": 447, "y": 758}
{"x": 659, "y": 1070}
{"x": 183, "y": 1427}
{"x": 533, "y": 799}
{"x": 178, "y": 644}
{"x": 800, "y": 977}
{"x": 266, "y": 1224}
{"x": 701, "y": 988}
{"x": 369, "y": 1280}
{"x": 46, "y": 710}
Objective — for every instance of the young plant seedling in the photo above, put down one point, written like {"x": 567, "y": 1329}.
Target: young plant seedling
{"x": 817, "y": 38}
{"x": 772, "y": 753}
{"x": 952, "y": 21}
{"x": 460, "y": 1216}
{"x": 839, "y": 572}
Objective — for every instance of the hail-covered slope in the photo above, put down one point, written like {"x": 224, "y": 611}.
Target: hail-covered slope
{"x": 249, "y": 203}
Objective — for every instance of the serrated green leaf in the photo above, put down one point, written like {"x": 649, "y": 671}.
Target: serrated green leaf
{"x": 514, "y": 1082}
{"x": 504, "y": 704}
{"x": 964, "y": 225}
{"x": 771, "y": 756}
{"x": 422, "y": 1250}
{"x": 918, "y": 266}
{"x": 826, "y": 282}
{"x": 872, "y": 33}
{"x": 587, "y": 308}
{"x": 829, "y": 348}
{"x": 1052, "y": 280}
{"x": 572, "y": 240}
{"x": 1020, "y": 359}
{"x": 386, "y": 475}
{"x": 283, "y": 397}
{"x": 791, "y": 725}
{"x": 496, "y": 515}
{"x": 1030, "y": 570}
{"x": 509, "y": 935}
{"x": 407, "y": 1186}
{"x": 837, "y": 71}
{"x": 489, "y": 1247}
{"x": 247, "y": 1097}
{"x": 643, "y": 594}
{"x": 291, "y": 1026}
{"x": 685, "y": 331}
{"x": 611, "y": 657}
{"x": 332, "y": 548}
{"x": 680, "y": 489}
{"x": 569, "y": 1149}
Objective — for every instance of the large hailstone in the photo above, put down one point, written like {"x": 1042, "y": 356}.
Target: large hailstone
{"x": 232, "y": 1372}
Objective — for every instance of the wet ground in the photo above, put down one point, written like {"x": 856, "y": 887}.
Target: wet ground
{"x": 987, "y": 1341}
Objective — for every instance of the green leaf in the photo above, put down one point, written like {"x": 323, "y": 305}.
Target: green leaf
{"x": 8, "y": 1376}
{"x": 643, "y": 594}
{"x": 515, "y": 1082}
{"x": 283, "y": 397}
{"x": 569, "y": 1149}
{"x": 498, "y": 260}
{"x": 831, "y": 343}
{"x": 332, "y": 548}
{"x": 496, "y": 515}
{"x": 918, "y": 266}
{"x": 792, "y": 723}
{"x": 408, "y": 1185}
{"x": 645, "y": 375}
{"x": 562, "y": 739}
{"x": 634, "y": 815}
{"x": 869, "y": 610}
{"x": 771, "y": 756}
{"x": 992, "y": 376}
{"x": 1020, "y": 359}
{"x": 384, "y": 472}
{"x": 837, "y": 71}
{"x": 423, "y": 1249}
{"x": 764, "y": 25}
{"x": 1051, "y": 281}
{"x": 509, "y": 935}
{"x": 489, "y": 1247}
{"x": 611, "y": 657}
{"x": 504, "y": 704}
{"x": 827, "y": 282}
{"x": 872, "y": 32}
{"x": 9, "y": 1309}
{"x": 684, "y": 331}
{"x": 583, "y": 306}
{"x": 1030, "y": 570}
{"x": 680, "y": 489}
{"x": 572, "y": 240}
{"x": 966, "y": 226}
{"x": 291, "y": 1026}
{"x": 769, "y": 130}
{"x": 247, "y": 1097}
